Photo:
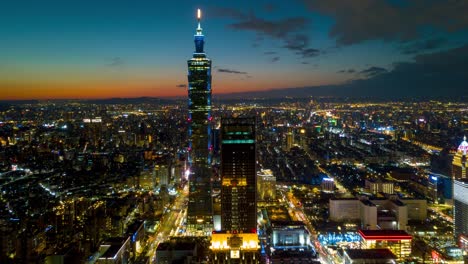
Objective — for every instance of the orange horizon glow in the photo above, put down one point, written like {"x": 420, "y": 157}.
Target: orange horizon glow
{"x": 128, "y": 89}
{"x": 53, "y": 93}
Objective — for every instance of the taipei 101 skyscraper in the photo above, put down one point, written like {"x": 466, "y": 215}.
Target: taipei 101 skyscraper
{"x": 199, "y": 212}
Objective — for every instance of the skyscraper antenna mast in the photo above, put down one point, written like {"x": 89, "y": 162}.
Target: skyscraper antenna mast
{"x": 199, "y": 18}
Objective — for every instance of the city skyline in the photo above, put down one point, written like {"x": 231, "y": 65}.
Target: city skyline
{"x": 85, "y": 50}
{"x": 325, "y": 173}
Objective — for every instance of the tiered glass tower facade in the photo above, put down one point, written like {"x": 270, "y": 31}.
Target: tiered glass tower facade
{"x": 199, "y": 214}
{"x": 238, "y": 172}
{"x": 460, "y": 215}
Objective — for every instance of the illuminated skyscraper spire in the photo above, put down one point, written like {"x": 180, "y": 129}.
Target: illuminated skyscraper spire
{"x": 199, "y": 29}
{"x": 199, "y": 212}
{"x": 199, "y": 38}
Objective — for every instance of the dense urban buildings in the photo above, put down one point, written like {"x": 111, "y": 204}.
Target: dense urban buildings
{"x": 199, "y": 215}
{"x": 70, "y": 187}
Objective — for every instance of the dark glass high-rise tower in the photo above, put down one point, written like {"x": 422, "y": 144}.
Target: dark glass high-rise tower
{"x": 199, "y": 214}
{"x": 238, "y": 172}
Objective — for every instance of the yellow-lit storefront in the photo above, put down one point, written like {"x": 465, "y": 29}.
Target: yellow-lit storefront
{"x": 238, "y": 248}
{"x": 398, "y": 241}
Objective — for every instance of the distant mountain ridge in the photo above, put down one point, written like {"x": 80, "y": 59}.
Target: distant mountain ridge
{"x": 351, "y": 90}
{"x": 136, "y": 100}
{"x": 333, "y": 92}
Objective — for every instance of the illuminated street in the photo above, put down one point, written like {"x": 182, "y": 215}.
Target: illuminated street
{"x": 172, "y": 223}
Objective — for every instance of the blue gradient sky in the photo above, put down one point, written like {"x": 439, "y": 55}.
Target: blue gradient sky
{"x": 96, "y": 49}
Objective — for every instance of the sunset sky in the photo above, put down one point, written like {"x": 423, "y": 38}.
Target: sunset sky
{"x": 103, "y": 49}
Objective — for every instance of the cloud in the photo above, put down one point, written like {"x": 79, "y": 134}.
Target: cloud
{"x": 299, "y": 44}
{"x": 231, "y": 71}
{"x": 275, "y": 59}
{"x": 361, "y": 20}
{"x": 269, "y": 52}
{"x": 439, "y": 74}
{"x": 288, "y": 30}
{"x": 309, "y": 53}
{"x": 347, "y": 71}
{"x": 116, "y": 62}
{"x": 181, "y": 85}
{"x": 274, "y": 29}
{"x": 373, "y": 71}
{"x": 422, "y": 46}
